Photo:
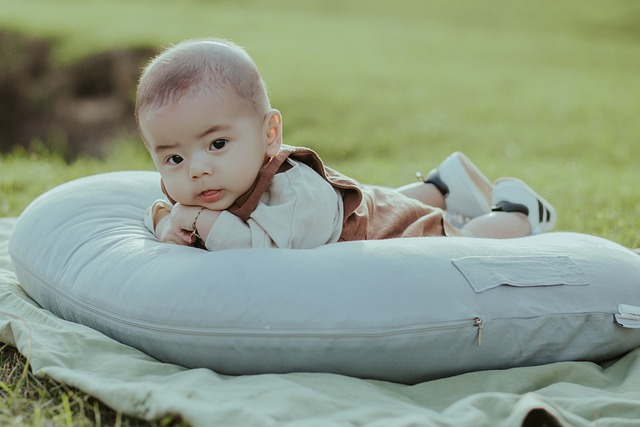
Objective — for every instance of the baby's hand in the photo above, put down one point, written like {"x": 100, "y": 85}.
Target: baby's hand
{"x": 177, "y": 226}
{"x": 182, "y": 222}
{"x": 167, "y": 233}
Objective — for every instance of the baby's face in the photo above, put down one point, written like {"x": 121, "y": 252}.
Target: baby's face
{"x": 207, "y": 148}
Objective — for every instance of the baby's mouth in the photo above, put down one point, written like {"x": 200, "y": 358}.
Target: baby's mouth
{"x": 211, "y": 196}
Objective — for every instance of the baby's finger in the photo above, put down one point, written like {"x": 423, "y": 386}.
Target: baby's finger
{"x": 186, "y": 236}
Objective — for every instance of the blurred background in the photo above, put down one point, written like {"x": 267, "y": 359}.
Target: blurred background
{"x": 547, "y": 91}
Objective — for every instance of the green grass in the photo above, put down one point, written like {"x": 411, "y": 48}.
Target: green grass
{"x": 26, "y": 174}
{"x": 546, "y": 91}
{"x": 26, "y": 400}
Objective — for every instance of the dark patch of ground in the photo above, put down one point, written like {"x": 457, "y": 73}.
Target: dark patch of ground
{"x": 74, "y": 109}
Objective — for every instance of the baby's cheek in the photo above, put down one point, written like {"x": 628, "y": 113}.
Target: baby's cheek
{"x": 171, "y": 191}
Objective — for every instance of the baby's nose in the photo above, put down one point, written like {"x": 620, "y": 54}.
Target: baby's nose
{"x": 201, "y": 165}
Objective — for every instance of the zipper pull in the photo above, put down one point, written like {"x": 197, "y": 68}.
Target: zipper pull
{"x": 477, "y": 322}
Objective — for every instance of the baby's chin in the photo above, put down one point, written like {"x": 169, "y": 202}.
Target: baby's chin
{"x": 218, "y": 206}
{"x": 227, "y": 200}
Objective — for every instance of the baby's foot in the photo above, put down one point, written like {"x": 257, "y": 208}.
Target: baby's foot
{"x": 466, "y": 191}
{"x": 513, "y": 195}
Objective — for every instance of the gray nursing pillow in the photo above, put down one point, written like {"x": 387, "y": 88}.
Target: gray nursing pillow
{"x": 403, "y": 310}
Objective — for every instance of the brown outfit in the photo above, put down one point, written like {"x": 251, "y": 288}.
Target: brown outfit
{"x": 370, "y": 213}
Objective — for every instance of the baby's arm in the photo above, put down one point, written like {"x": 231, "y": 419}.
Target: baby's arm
{"x": 165, "y": 232}
{"x": 156, "y": 221}
{"x": 174, "y": 224}
{"x": 188, "y": 221}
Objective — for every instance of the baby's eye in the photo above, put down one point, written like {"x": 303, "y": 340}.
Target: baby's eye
{"x": 175, "y": 159}
{"x": 218, "y": 144}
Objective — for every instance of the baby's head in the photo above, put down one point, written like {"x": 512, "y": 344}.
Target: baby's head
{"x": 205, "y": 117}
{"x": 193, "y": 66}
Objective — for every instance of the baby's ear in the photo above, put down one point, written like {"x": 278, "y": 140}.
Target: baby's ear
{"x": 273, "y": 124}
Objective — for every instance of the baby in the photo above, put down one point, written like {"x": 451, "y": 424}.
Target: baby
{"x": 205, "y": 117}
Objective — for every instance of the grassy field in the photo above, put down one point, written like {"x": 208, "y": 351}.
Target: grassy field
{"x": 544, "y": 91}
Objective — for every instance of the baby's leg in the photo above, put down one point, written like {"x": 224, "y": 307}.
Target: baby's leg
{"x": 456, "y": 185}
{"x": 424, "y": 192}
{"x": 498, "y": 225}
{"x": 519, "y": 211}
{"x": 513, "y": 195}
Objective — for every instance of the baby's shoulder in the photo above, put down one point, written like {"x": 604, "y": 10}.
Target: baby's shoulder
{"x": 299, "y": 170}
{"x": 300, "y": 177}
